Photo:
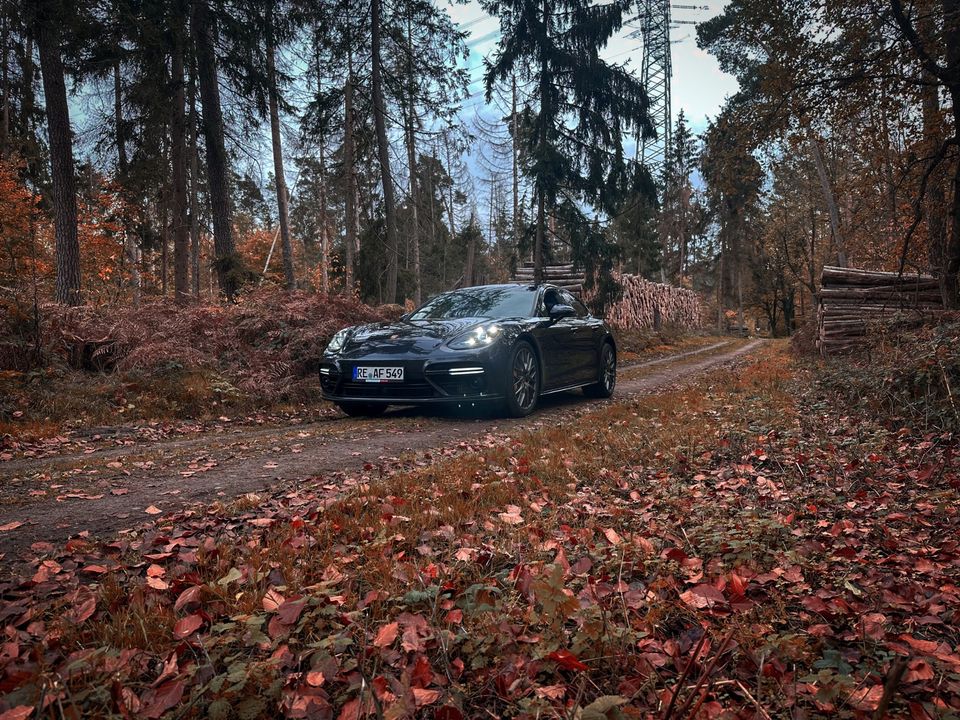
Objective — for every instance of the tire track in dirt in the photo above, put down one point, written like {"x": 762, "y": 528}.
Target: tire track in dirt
{"x": 275, "y": 459}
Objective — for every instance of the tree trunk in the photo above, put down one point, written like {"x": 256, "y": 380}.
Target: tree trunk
{"x": 279, "y": 179}
{"x": 178, "y": 161}
{"x": 129, "y": 244}
{"x": 471, "y": 232}
{"x": 5, "y": 89}
{"x": 386, "y": 179}
{"x": 828, "y": 198}
{"x": 227, "y": 263}
{"x": 951, "y": 265}
{"x": 515, "y": 161}
{"x": 61, "y": 160}
{"x": 194, "y": 187}
{"x": 119, "y": 135}
{"x": 349, "y": 162}
{"x": 412, "y": 162}
{"x": 720, "y": 270}
{"x": 450, "y": 215}
{"x": 541, "y": 236}
{"x": 324, "y": 219}
{"x": 324, "y": 223}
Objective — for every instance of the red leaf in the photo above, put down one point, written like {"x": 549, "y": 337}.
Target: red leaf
{"x": 315, "y": 678}
{"x": 20, "y": 712}
{"x": 187, "y": 626}
{"x": 82, "y": 611}
{"x": 425, "y": 697}
{"x": 703, "y": 596}
{"x": 157, "y": 583}
{"x": 919, "y": 670}
{"x": 157, "y": 702}
{"x": 386, "y": 635}
{"x": 567, "y": 660}
{"x": 447, "y": 712}
{"x": 4, "y": 528}
{"x": 289, "y": 612}
{"x": 272, "y": 600}
{"x": 422, "y": 672}
{"x": 188, "y": 596}
{"x": 867, "y": 698}
{"x": 612, "y": 537}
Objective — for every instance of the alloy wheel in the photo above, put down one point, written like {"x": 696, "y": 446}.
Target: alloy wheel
{"x": 524, "y": 378}
{"x": 609, "y": 368}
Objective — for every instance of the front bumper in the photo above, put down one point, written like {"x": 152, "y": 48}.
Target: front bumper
{"x": 464, "y": 379}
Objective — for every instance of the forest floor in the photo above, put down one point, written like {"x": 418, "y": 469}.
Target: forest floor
{"x": 761, "y": 537}
{"x": 107, "y": 479}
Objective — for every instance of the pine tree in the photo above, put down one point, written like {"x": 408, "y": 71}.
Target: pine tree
{"x": 573, "y": 141}
{"x": 228, "y": 265}
{"x": 49, "y": 16}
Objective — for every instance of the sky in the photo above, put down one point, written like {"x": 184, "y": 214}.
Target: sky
{"x": 699, "y": 87}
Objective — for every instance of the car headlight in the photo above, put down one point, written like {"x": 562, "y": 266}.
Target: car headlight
{"x": 337, "y": 342}
{"x": 476, "y": 338}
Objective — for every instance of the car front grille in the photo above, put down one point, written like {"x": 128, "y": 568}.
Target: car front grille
{"x": 398, "y": 390}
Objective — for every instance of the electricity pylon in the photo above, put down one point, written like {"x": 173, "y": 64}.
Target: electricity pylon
{"x": 656, "y": 22}
{"x": 656, "y": 71}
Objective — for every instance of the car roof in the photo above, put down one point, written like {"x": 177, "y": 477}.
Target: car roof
{"x": 522, "y": 286}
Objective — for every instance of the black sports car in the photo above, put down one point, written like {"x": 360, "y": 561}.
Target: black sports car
{"x": 503, "y": 343}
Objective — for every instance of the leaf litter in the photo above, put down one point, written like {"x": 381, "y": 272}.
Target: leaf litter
{"x": 736, "y": 548}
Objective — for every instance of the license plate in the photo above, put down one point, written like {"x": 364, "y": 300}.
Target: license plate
{"x": 378, "y": 374}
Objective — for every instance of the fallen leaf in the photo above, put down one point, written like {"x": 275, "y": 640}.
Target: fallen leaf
{"x": 20, "y": 712}
{"x": 386, "y": 635}
{"x": 187, "y": 626}
{"x": 425, "y": 697}
{"x": 567, "y": 660}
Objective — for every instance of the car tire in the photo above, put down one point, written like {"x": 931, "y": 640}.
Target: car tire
{"x": 362, "y": 409}
{"x": 605, "y": 386}
{"x": 523, "y": 380}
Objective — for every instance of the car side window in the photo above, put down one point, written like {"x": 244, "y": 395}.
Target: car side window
{"x": 551, "y": 297}
{"x": 572, "y": 301}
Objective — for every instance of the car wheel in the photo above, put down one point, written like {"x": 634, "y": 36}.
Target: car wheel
{"x": 362, "y": 409}
{"x": 523, "y": 388}
{"x": 608, "y": 374}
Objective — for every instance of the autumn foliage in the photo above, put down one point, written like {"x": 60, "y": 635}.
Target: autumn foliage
{"x": 736, "y": 549}
{"x": 157, "y": 361}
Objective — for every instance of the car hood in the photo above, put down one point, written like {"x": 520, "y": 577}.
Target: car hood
{"x": 417, "y": 337}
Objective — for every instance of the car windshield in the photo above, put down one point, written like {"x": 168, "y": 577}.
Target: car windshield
{"x": 488, "y": 302}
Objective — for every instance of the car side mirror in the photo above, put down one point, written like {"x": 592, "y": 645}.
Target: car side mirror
{"x": 558, "y": 312}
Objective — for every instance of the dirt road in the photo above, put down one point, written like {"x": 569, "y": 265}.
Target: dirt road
{"x": 106, "y": 490}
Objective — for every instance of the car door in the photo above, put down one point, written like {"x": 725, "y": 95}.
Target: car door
{"x": 559, "y": 364}
{"x": 584, "y": 340}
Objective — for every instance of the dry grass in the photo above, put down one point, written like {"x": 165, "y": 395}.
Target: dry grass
{"x": 536, "y": 575}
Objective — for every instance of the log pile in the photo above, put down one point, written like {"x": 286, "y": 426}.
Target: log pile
{"x": 563, "y": 276}
{"x": 852, "y": 301}
{"x": 645, "y": 304}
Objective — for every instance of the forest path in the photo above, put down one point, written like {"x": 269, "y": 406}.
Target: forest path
{"x": 107, "y": 490}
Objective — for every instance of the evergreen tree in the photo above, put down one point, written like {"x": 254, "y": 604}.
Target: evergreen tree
{"x": 573, "y": 138}
{"x": 48, "y": 20}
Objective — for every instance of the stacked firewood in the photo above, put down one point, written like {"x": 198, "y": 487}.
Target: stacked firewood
{"x": 643, "y": 304}
{"x": 852, "y": 301}
{"x": 563, "y": 276}
{"x": 646, "y": 304}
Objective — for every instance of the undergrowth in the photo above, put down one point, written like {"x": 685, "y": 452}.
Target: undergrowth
{"x": 736, "y": 548}
{"x": 107, "y": 365}
{"x": 907, "y": 377}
